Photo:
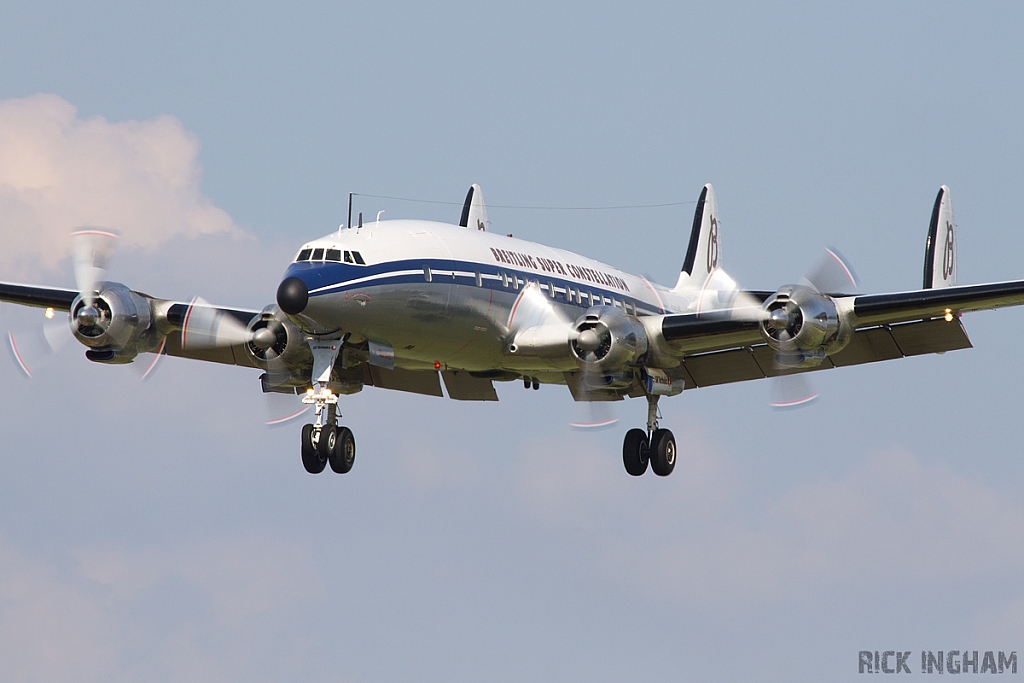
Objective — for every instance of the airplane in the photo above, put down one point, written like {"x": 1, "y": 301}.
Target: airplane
{"x": 409, "y": 304}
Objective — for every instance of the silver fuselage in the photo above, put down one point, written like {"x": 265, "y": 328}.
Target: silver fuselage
{"x": 446, "y": 296}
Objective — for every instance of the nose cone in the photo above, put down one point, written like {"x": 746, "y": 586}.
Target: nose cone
{"x": 292, "y": 296}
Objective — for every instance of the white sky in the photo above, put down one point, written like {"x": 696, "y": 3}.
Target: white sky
{"x": 156, "y": 532}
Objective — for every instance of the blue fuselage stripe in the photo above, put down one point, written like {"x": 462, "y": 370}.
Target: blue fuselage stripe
{"x": 324, "y": 278}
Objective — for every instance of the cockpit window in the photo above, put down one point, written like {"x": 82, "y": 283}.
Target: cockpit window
{"x": 304, "y": 255}
{"x": 318, "y": 255}
{"x": 354, "y": 257}
{"x": 333, "y": 255}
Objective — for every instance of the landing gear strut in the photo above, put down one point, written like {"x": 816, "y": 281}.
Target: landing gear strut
{"x": 655, "y": 446}
{"x": 324, "y": 441}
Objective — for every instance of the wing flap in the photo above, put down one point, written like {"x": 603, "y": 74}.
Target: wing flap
{"x": 723, "y": 367}
{"x": 867, "y": 346}
{"x": 462, "y": 386}
{"x": 930, "y": 336}
{"x": 424, "y": 382}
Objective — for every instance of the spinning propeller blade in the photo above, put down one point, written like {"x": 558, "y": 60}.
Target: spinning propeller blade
{"x": 593, "y": 415}
{"x": 830, "y": 275}
{"x": 281, "y": 409}
{"x": 91, "y": 249}
{"x": 207, "y": 327}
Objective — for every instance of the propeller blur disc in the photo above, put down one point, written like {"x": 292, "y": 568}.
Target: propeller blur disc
{"x": 832, "y": 275}
{"x": 91, "y": 249}
{"x": 592, "y": 415}
{"x": 791, "y": 391}
{"x": 207, "y": 327}
{"x": 282, "y": 409}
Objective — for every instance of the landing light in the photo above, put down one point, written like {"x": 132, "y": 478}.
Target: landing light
{"x": 48, "y": 313}
{"x": 948, "y": 316}
{"x": 309, "y": 392}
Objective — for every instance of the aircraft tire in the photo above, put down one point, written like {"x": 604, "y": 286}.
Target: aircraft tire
{"x": 635, "y": 452}
{"x": 663, "y": 452}
{"x": 344, "y": 454}
{"x": 328, "y": 441}
{"x": 311, "y": 459}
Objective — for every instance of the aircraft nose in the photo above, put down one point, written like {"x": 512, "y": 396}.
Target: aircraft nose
{"x": 292, "y": 296}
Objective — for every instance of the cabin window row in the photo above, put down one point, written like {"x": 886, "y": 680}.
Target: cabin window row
{"x": 572, "y": 295}
{"x": 319, "y": 254}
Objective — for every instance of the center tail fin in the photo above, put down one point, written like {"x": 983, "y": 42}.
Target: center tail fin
{"x": 940, "y": 249}
{"x": 702, "y": 255}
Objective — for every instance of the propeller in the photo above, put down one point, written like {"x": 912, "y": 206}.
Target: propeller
{"x": 831, "y": 274}
{"x": 282, "y": 409}
{"x": 536, "y": 319}
{"x": 91, "y": 250}
{"x": 206, "y": 327}
{"x": 595, "y": 412}
{"x": 34, "y": 350}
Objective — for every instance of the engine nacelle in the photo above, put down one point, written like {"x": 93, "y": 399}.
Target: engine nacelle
{"x": 116, "y": 325}
{"x": 803, "y": 326}
{"x": 606, "y": 339}
{"x": 279, "y": 347}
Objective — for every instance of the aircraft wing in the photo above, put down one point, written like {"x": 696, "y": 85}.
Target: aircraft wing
{"x": 880, "y": 309}
{"x": 720, "y": 347}
{"x": 169, "y": 317}
{"x": 40, "y": 297}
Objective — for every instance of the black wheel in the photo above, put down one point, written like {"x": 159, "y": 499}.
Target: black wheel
{"x": 328, "y": 440}
{"x": 635, "y": 452}
{"x": 311, "y": 459}
{"x": 663, "y": 452}
{"x": 344, "y": 454}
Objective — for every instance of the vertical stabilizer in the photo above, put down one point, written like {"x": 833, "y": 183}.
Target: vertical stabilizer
{"x": 474, "y": 213}
{"x": 940, "y": 249}
{"x": 702, "y": 254}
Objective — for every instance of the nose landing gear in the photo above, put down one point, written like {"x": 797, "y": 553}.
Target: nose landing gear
{"x": 655, "y": 446}
{"x": 324, "y": 442}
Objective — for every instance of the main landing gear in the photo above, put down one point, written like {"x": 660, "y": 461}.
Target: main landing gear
{"x": 655, "y": 446}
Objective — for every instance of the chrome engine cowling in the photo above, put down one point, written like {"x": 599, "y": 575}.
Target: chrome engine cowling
{"x": 284, "y": 345}
{"x": 803, "y": 326}
{"x": 116, "y": 325}
{"x": 606, "y": 339}
{"x": 279, "y": 347}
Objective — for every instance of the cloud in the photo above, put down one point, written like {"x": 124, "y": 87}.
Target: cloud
{"x": 59, "y": 171}
{"x": 80, "y": 624}
{"x": 891, "y": 520}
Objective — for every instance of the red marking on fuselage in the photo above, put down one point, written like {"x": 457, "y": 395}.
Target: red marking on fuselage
{"x": 661, "y": 306}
